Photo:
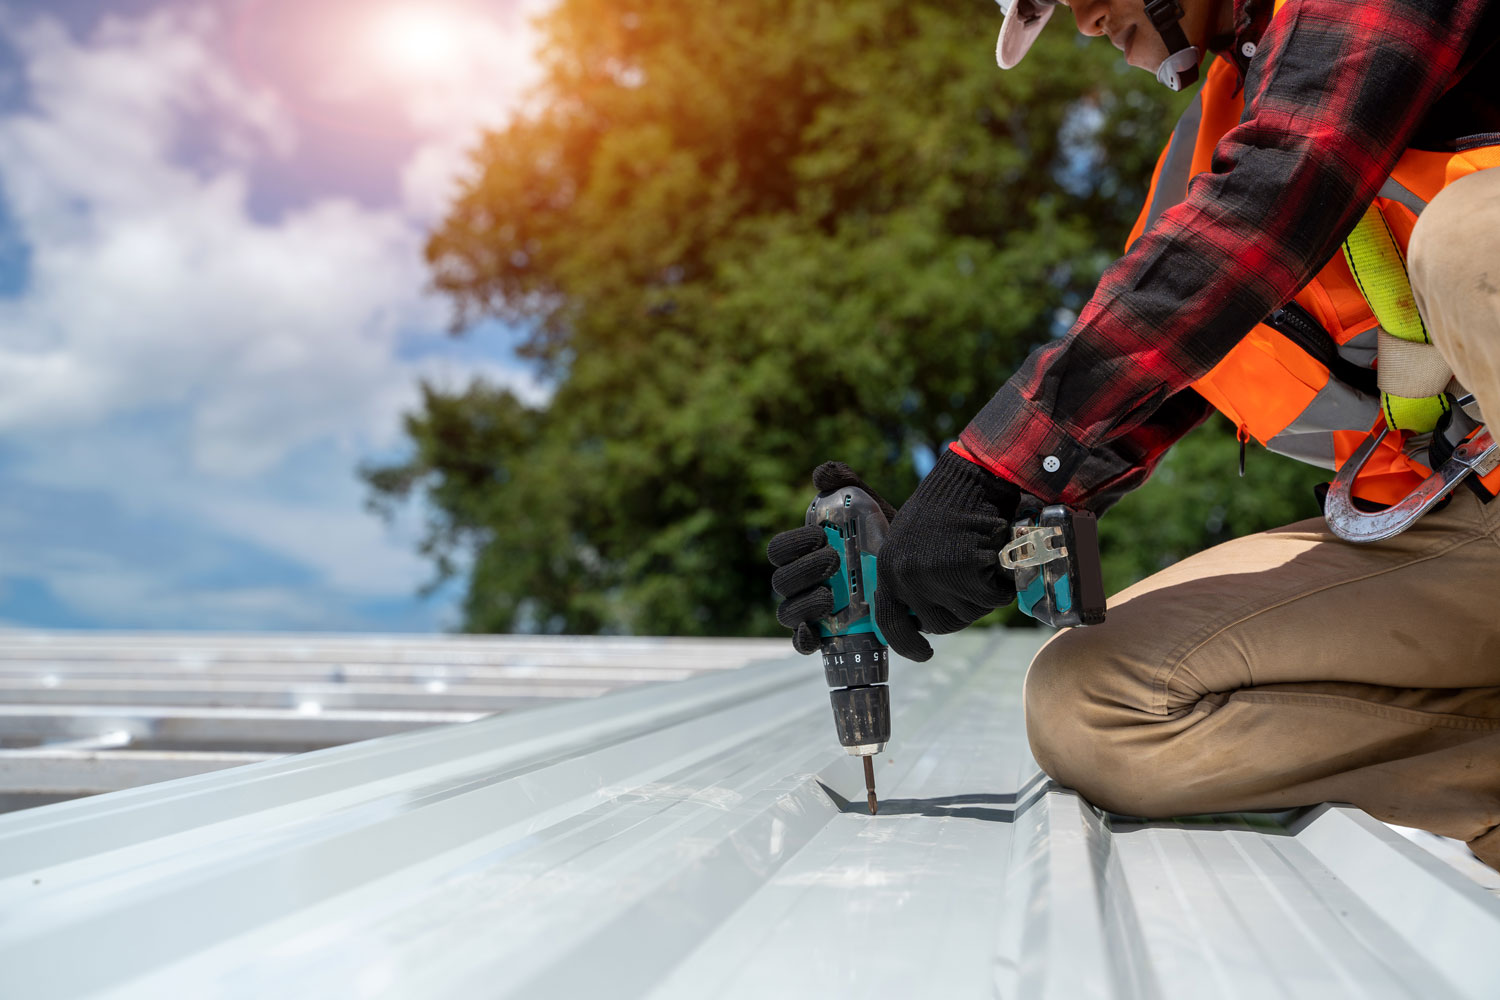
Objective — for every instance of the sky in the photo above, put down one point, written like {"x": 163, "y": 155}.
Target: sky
{"x": 213, "y": 306}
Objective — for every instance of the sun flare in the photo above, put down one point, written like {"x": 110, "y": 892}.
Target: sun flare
{"x": 418, "y": 41}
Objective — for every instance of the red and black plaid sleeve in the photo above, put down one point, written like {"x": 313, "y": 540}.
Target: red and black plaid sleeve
{"x": 1333, "y": 96}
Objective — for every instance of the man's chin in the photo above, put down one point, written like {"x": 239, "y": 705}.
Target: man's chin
{"x": 1150, "y": 63}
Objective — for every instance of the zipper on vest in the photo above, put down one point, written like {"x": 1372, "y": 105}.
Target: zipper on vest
{"x": 1298, "y": 325}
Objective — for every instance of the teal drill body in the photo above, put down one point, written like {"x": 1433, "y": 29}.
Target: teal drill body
{"x": 856, "y": 662}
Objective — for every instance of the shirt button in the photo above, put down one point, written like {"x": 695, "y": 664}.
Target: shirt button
{"x": 1248, "y": 49}
{"x": 1051, "y": 464}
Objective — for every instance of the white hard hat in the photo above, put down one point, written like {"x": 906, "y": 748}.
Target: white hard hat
{"x": 1024, "y": 20}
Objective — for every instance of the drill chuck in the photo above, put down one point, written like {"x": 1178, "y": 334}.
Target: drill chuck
{"x": 857, "y": 667}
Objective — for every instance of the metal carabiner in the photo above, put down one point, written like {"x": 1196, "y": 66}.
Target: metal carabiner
{"x": 1479, "y": 455}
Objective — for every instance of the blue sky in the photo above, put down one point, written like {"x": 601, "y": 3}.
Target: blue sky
{"x": 212, "y": 301}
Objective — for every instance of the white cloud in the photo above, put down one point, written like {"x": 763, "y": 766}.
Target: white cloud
{"x": 178, "y": 356}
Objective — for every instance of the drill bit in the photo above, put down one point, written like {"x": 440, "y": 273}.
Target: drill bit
{"x": 870, "y": 783}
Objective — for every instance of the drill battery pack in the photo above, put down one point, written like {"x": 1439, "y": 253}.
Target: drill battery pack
{"x": 1054, "y": 555}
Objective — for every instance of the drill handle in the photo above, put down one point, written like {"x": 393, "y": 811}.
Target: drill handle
{"x": 856, "y": 528}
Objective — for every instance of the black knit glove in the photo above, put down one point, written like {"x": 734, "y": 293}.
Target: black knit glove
{"x": 941, "y": 559}
{"x": 804, "y": 561}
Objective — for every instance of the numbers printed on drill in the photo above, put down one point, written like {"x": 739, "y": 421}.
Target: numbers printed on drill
{"x": 837, "y": 659}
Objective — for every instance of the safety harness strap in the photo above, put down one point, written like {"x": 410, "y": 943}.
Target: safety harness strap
{"x": 1411, "y": 373}
{"x": 1377, "y": 265}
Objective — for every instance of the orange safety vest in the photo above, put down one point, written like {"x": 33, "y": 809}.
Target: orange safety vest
{"x": 1274, "y": 391}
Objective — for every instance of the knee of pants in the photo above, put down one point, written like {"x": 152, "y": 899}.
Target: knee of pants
{"x": 1079, "y": 732}
{"x": 1455, "y": 240}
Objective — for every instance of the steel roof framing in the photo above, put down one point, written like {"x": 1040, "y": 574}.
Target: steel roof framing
{"x": 82, "y": 713}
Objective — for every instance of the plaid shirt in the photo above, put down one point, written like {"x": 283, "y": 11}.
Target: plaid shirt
{"x": 1335, "y": 91}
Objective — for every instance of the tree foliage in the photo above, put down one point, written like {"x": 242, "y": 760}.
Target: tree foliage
{"x": 746, "y": 237}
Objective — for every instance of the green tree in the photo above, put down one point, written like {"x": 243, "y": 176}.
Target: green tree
{"x": 743, "y": 238}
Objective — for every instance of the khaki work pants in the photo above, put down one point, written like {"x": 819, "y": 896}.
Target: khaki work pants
{"x": 1289, "y": 668}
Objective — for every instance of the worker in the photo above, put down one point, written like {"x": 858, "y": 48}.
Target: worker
{"x": 1329, "y": 140}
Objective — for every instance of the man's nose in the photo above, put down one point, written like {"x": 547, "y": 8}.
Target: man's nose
{"x": 1090, "y": 15}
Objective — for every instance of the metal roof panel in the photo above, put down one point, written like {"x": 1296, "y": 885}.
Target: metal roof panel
{"x": 708, "y": 838}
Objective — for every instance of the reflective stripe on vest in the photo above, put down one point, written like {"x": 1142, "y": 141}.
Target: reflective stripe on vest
{"x": 1272, "y": 389}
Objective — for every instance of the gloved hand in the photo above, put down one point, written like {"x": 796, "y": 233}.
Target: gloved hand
{"x": 804, "y": 561}
{"x": 942, "y": 557}
{"x": 939, "y": 562}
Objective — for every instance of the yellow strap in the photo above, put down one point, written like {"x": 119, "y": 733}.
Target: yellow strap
{"x": 1380, "y": 271}
{"x": 1378, "y": 267}
{"x": 1416, "y": 415}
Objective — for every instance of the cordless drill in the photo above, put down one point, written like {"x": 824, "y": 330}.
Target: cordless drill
{"x": 856, "y": 663}
{"x": 1052, "y": 553}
